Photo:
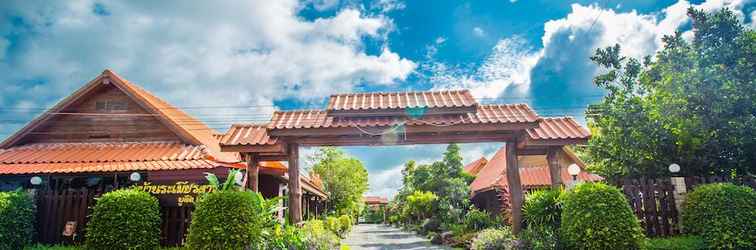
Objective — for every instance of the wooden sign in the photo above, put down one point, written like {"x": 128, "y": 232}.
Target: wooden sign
{"x": 180, "y": 193}
{"x": 69, "y": 229}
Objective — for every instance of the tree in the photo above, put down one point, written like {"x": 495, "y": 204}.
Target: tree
{"x": 344, "y": 179}
{"x": 694, "y": 104}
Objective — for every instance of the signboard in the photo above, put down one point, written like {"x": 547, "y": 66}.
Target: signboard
{"x": 180, "y": 193}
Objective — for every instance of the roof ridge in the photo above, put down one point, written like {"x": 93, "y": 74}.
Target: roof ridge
{"x": 400, "y": 92}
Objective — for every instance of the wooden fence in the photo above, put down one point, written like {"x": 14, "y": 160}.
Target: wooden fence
{"x": 653, "y": 202}
{"x": 56, "y": 208}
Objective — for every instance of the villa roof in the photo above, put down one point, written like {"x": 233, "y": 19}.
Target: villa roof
{"x": 474, "y": 167}
{"x": 375, "y": 200}
{"x": 366, "y": 103}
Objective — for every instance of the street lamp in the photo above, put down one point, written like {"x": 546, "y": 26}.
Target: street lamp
{"x": 36, "y": 180}
{"x": 135, "y": 176}
{"x": 573, "y": 170}
{"x": 674, "y": 168}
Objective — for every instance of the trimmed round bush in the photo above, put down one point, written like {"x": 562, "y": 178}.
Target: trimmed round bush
{"x": 597, "y": 216}
{"x": 16, "y": 219}
{"x": 318, "y": 237}
{"x": 494, "y": 239}
{"x": 723, "y": 214}
{"x": 542, "y": 209}
{"x": 346, "y": 223}
{"x": 230, "y": 220}
{"x": 124, "y": 219}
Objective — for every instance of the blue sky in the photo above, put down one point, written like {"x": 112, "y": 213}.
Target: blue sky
{"x": 237, "y": 62}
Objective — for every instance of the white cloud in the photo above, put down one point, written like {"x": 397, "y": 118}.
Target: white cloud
{"x": 206, "y": 53}
{"x": 479, "y": 32}
{"x": 562, "y": 65}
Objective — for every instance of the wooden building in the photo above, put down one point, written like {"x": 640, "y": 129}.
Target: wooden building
{"x": 111, "y": 134}
{"x": 490, "y": 188}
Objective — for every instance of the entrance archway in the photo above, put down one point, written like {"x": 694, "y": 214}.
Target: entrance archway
{"x": 368, "y": 119}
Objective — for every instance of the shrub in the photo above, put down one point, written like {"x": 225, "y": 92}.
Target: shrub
{"x": 597, "y": 216}
{"x": 724, "y": 215}
{"x": 286, "y": 237}
{"x": 477, "y": 220}
{"x": 539, "y": 238}
{"x": 542, "y": 209}
{"x": 346, "y": 223}
{"x": 676, "y": 243}
{"x": 124, "y": 219}
{"x": 430, "y": 225}
{"x": 494, "y": 239}
{"x": 317, "y": 237}
{"x": 231, "y": 220}
{"x": 16, "y": 219}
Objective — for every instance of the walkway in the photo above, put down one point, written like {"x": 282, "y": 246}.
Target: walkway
{"x": 380, "y": 237}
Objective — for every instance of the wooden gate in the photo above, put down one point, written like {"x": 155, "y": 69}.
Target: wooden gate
{"x": 653, "y": 202}
{"x": 175, "y": 225}
{"x": 56, "y": 208}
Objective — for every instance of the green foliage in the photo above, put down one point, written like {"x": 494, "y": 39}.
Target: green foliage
{"x": 597, "y": 216}
{"x": 420, "y": 204}
{"x": 724, "y": 215}
{"x": 539, "y": 238}
{"x": 372, "y": 215}
{"x": 124, "y": 219}
{"x": 693, "y": 104}
{"x": 286, "y": 237}
{"x": 494, "y": 239}
{"x": 542, "y": 209}
{"x": 228, "y": 185}
{"x": 53, "y": 247}
{"x": 476, "y": 220}
{"x": 232, "y": 220}
{"x": 676, "y": 243}
{"x": 430, "y": 225}
{"x": 344, "y": 179}
{"x": 16, "y": 219}
{"x": 346, "y": 224}
{"x": 318, "y": 237}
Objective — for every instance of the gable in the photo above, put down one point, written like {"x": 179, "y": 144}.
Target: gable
{"x": 103, "y": 114}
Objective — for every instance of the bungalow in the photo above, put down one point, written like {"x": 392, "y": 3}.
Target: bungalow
{"x": 490, "y": 188}
{"x": 111, "y": 134}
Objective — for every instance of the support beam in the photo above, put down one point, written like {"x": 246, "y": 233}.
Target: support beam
{"x": 295, "y": 190}
{"x": 554, "y": 171}
{"x": 253, "y": 170}
{"x": 515, "y": 187}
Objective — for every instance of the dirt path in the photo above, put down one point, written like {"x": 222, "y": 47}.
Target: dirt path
{"x": 374, "y": 237}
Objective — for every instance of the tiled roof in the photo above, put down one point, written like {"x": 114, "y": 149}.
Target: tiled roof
{"x": 494, "y": 174}
{"x": 48, "y": 168}
{"x": 474, "y": 167}
{"x": 247, "y": 134}
{"x": 375, "y": 200}
{"x": 558, "y": 128}
{"x": 401, "y": 100}
{"x": 101, "y": 152}
{"x": 485, "y": 114}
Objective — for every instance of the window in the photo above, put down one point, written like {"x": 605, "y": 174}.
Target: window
{"x": 111, "y": 106}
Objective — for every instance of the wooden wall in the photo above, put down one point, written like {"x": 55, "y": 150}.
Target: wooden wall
{"x": 112, "y": 126}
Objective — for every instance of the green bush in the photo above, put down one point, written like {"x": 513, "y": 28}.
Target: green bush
{"x": 542, "y": 209}
{"x": 676, "y": 243}
{"x": 432, "y": 224}
{"x": 724, "y": 215}
{"x": 16, "y": 219}
{"x": 232, "y": 220}
{"x": 124, "y": 219}
{"x": 346, "y": 223}
{"x": 286, "y": 237}
{"x": 597, "y": 216}
{"x": 476, "y": 220}
{"x": 318, "y": 237}
{"x": 539, "y": 238}
{"x": 494, "y": 239}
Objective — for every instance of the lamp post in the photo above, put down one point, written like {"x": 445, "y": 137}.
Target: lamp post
{"x": 674, "y": 168}
{"x": 573, "y": 170}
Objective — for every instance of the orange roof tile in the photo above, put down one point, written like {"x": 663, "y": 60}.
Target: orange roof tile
{"x": 375, "y": 200}
{"x": 558, "y": 128}
{"x": 474, "y": 167}
{"x": 90, "y": 167}
{"x": 247, "y": 134}
{"x": 485, "y": 114}
{"x": 101, "y": 152}
{"x": 401, "y": 100}
{"x": 493, "y": 174}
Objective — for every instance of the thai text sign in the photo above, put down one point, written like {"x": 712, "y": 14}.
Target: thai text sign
{"x": 186, "y": 192}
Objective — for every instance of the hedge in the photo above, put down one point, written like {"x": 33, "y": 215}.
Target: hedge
{"x": 723, "y": 214}
{"x": 685, "y": 242}
{"x": 16, "y": 219}
{"x": 231, "y": 220}
{"x": 124, "y": 219}
{"x": 597, "y": 216}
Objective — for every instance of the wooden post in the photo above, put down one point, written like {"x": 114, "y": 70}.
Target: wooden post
{"x": 295, "y": 191}
{"x": 554, "y": 171}
{"x": 253, "y": 170}
{"x": 515, "y": 188}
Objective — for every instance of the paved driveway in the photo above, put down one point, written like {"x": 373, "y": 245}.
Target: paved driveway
{"x": 374, "y": 237}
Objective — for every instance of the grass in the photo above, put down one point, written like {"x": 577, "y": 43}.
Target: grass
{"x": 685, "y": 242}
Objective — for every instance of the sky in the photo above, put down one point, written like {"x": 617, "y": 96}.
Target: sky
{"x": 237, "y": 61}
